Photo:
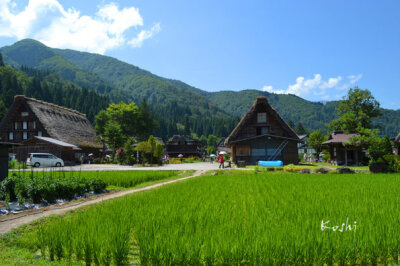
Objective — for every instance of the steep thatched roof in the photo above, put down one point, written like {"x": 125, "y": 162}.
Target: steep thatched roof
{"x": 62, "y": 123}
{"x": 262, "y": 100}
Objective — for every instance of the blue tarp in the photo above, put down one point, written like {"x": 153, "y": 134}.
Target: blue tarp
{"x": 270, "y": 163}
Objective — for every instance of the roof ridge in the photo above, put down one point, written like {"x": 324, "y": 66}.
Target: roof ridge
{"x": 50, "y": 104}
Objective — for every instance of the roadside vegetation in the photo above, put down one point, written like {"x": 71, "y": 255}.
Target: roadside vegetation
{"x": 233, "y": 218}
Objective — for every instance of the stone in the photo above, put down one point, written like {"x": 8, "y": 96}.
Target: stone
{"x": 322, "y": 170}
{"x": 305, "y": 171}
{"x": 345, "y": 170}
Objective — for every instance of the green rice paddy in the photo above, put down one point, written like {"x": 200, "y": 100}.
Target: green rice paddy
{"x": 236, "y": 218}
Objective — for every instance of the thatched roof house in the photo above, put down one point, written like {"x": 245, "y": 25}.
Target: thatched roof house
{"x": 262, "y": 134}
{"x": 28, "y": 117}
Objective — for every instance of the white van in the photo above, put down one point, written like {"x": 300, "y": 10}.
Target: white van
{"x": 43, "y": 159}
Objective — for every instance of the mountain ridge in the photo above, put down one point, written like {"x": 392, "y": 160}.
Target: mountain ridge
{"x": 123, "y": 81}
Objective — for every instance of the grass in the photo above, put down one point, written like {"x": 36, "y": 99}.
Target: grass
{"x": 234, "y": 218}
{"x": 314, "y": 166}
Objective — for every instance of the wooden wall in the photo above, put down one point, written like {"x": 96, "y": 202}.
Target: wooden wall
{"x": 246, "y": 150}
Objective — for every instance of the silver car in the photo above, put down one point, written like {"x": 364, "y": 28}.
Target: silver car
{"x": 43, "y": 159}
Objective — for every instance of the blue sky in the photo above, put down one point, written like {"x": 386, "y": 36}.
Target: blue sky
{"x": 314, "y": 49}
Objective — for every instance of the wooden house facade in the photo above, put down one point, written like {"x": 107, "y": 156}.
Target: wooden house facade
{"x": 263, "y": 135}
{"x": 341, "y": 154}
{"x": 184, "y": 145}
{"x": 28, "y": 120}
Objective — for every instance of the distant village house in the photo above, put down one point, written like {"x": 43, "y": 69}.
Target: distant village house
{"x": 45, "y": 127}
{"x": 262, "y": 134}
{"x": 184, "y": 145}
{"x": 341, "y": 154}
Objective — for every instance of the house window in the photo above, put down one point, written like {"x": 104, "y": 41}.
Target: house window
{"x": 262, "y": 131}
{"x": 34, "y": 124}
{"x": 243, "y": 151}
{"x": 257, "y": 152}
{"x": 39, "y": 133}
{"x": 261, "y": 117}
{"x": 15, "y": 125}
{"x": 25, "y": 135}
{"x": 25, "y": 125}
{"x": 24, "y": 114}
{"x": 10, "y": 136}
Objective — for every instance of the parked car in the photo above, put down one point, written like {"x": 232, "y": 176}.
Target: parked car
{"x": 43, "y": 159}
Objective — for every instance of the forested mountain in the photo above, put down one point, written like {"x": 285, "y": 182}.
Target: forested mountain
{"x": 173, "y": 102}
{"x": 313, "y": 115}
{"x": 50, "y": 87}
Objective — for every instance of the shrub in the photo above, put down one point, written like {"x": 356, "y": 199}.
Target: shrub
{"x": 393, "y": 162}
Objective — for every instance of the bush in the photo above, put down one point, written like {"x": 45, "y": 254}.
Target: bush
{"x": 393, "y": 162}
{"x": 326, "y": 157}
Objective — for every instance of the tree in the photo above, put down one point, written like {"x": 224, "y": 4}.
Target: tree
{"x": 101, "y": 120}
{"x": 187, "y": 126}
{"x": 129, "y": 151}
{"x": 315, "y": 141}
{"x": 145, "y": 148}
{"x": 1, "y": 60}
{"x": 370, "y": 140}
{"x": 158, "y": 152}
{"x": 126, "y": 115}
{"x": 3, "y": 110}
{"x": 145, "y": 122}
{"x": 290, "y": 123}
{"x": 114, "y": 136}
{"x": 300, "y": 130}
{"x": 357, "y": 109}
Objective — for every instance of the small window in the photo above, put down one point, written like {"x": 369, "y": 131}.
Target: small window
{"x": 243, "y": 151}
{"x": 264, "y": 130}
{"x": 10, "y": 136}
{"x": 262, "y": 118}
{"x": 34, "y": 124}
{"x": 257, "y": 152}
{"x": 24, "y": 125}
{"x": 39, "y": 133}
{"x": 24, "y": 114}
{"x": 15, "y": 125}
{"x": 25, "y": 135}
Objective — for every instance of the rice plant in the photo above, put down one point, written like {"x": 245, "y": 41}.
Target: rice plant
{"x": 260, "y": 219}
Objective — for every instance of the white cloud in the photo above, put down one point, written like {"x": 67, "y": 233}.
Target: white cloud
{"x": 316, "y": 86}
{"x": 143, "y": 35}
{"x": 49, "y": 22}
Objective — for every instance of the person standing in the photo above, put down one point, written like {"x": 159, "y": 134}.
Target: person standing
{"x": 221, "y": 161}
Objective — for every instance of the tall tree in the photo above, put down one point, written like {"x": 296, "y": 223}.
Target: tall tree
{"x": 357, "y": 109}
{"x": 1, "y": 60}
{"x": 114, "y": 136}
{"x": 187, "y": 126}
{"x": 315, "y": 141}
{"x": 300, "y": 130}
{"x": 146, "y": 123}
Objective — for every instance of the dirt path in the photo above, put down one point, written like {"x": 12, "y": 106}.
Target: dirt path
{"x": 7, "y": 225}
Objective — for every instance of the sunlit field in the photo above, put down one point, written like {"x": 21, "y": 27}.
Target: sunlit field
{"x": 235, "y": 218}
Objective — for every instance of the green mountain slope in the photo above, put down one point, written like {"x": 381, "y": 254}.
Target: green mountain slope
{"x": 171, "y": 99}
{"x": 313, "y": 115}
